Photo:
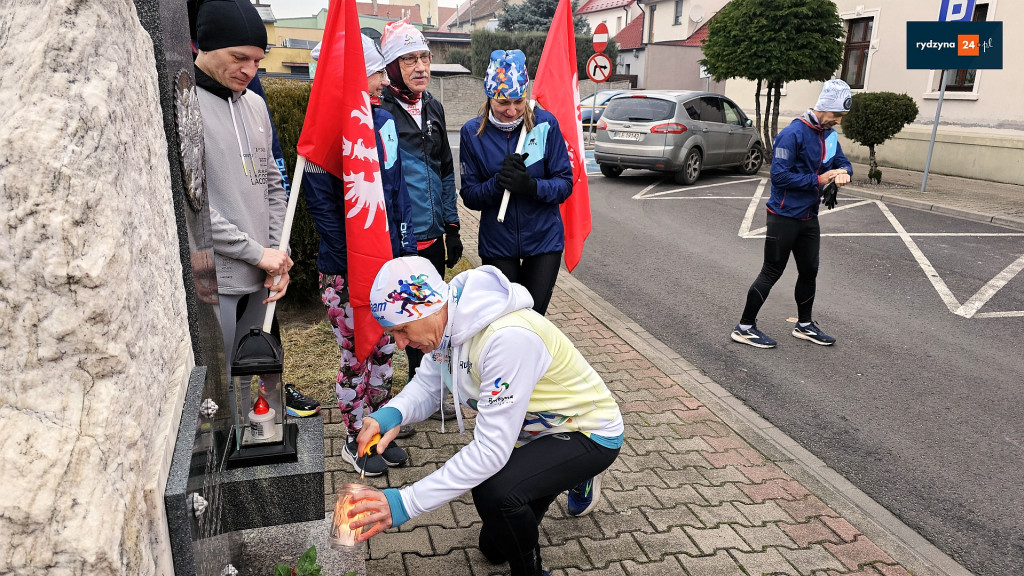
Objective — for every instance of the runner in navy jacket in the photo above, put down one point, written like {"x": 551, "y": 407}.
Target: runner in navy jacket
{"x": 527, "y": 246}
{"x": 807, "y": 158}
{"x": 799, "y": 159}
{"x": 362, "y": 387}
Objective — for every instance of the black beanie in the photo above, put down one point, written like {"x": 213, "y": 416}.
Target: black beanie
{"x": 227, "y": 23}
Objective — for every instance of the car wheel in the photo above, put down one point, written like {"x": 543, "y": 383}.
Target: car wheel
{"x": 610, "y": 171}
{"x": 691, "y": 168}
{"x": 753, "y": 161}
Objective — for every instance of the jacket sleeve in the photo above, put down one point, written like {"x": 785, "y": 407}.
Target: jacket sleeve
{"x": 230, "y": 241}
{"x": 498, "y": 422}
{"x": 421, "y": 397}
{"x": 325, "y": 197}
{"x": 786, "y": 164}
{"x": 277, "y": 196}
{"x": 449, "y": 197}
{"x": 480, "y": 190}
{"x": 403, "y": 205}
{"x": 840, "y": 161}
{"x": 556, "y": 185}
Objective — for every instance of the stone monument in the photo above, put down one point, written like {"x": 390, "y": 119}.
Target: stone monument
{"x": 110, "y": 343}
{"x": 95, "y": 344}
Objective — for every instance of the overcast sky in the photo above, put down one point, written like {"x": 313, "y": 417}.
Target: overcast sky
{"x": 296, "y": 8}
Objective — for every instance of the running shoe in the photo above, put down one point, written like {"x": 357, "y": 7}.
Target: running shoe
{"x": 372, "y": 465}
{"x": 812, "y": 333}
{"x": 584, "y": 496}
{"x": 393, "y": 455}
{"x": 752, "y": 336}
{"x": 297, "y": 405}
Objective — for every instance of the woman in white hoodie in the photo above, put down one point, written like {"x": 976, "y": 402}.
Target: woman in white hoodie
{"x": 545, "y": 421}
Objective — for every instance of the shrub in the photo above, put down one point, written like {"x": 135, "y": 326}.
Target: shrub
{"x": 287, "y": 100}
{"x": 463, "y": 56}
{"x": 876, "y": 117}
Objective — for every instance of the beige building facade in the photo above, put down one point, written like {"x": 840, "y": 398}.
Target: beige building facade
{"x": 981, "y": 126}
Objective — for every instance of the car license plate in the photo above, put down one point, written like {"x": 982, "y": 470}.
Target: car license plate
{"x": 628, "y": 136}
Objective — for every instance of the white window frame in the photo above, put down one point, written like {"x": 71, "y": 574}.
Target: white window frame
{"x": 934, "y": 89}
{"x": 861, "y": 12}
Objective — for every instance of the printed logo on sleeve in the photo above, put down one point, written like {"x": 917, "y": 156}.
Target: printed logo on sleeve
{"x": 497, "y": 397}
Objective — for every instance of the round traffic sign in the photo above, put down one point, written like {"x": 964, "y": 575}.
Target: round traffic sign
{"x": 600, "y": 37}
{"x": 599, "y": 67}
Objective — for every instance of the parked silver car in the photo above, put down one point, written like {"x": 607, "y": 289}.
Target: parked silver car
{"x": 676, "y": 131}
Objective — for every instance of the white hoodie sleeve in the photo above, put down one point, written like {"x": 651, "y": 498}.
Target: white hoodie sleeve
{"x": 513, "y": 356}
{"x": 421, "y": 397}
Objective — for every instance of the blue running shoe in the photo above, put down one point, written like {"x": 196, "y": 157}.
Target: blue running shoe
{"x": 753, "y": 337}
{"x": 584, "y": 496}
{"x": 812, "y": 333}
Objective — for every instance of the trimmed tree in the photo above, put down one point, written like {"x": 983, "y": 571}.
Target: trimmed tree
{"x": 772, "y": 43}
{"x": 876, "y": 117}
{"x": 536, "y": 16}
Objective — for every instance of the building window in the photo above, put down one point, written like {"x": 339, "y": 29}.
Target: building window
{"x": 963, "y": 80}
{"x": 855, "y": 57}
{"x": 679, "y": 13}
{"x": 618, "y": 24}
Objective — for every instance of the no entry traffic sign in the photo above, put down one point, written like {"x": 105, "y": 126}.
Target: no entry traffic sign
{"x": 599, "y": 67}
{"x": 600, "y": 37}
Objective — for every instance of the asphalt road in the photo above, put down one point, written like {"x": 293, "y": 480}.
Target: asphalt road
{"x": 917, "y": 406}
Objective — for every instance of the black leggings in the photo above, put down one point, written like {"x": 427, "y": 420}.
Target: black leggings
{"x": 513, "y": 501}
{"x": 786, "y": 235}
{"x": 537, "y": 273}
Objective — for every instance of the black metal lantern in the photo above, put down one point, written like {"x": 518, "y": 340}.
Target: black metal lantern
{"x": 260, "y": 433}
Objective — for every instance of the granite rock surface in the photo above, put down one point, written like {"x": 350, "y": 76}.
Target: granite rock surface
{"x": 92, "y": 306}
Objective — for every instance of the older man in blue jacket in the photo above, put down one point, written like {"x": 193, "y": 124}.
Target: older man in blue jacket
{"x": 807, "y": 165}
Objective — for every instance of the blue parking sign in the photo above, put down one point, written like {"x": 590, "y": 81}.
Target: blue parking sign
{"x": 956, "y": 11}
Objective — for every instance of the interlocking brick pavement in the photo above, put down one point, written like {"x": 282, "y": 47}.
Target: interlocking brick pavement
{"x": 688, "y": 495}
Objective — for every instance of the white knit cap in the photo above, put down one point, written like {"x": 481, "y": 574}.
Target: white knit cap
{"x": 834, "y": 97}
{"x": 374, "y": 59}
{"x": 400, "y": 38}
{"x": 407, "y": 289}
{"x": 371, "y": 53}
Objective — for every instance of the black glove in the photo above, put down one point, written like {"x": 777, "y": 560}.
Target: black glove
{"x": 514, "y": 177}
{"x": 452, "y": 244}
{"x": 828, "y": 195}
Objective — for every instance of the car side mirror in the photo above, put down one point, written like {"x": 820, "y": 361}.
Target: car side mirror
{"x": 748, "y": 123}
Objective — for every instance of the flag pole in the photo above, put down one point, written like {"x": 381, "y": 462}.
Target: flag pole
{"x": 286, "y": 232}
{"x": 519, "y": 150}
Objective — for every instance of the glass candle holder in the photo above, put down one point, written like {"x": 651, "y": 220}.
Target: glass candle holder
{"x": 342, "y": 536}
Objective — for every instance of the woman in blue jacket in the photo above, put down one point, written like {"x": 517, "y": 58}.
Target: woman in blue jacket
{"x": 362, "y": 387}
{"x": 527, "y": 246}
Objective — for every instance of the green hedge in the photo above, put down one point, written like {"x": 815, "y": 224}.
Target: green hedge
{"x": 287, "y": 100}
{"x": 532, "y": 45}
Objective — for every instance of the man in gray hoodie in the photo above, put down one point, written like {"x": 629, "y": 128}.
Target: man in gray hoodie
{"x": 246, "y": 195}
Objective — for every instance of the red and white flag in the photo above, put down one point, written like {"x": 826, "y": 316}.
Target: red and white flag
{"x": 338, "y": 136}
{"x": 556, "y": 87}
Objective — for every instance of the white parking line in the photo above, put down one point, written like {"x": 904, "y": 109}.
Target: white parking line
{"x": 748, "y": 218}
{"x": 644, "y": 191}
{"x": 692, "y": 188}
{"x": 969, "y": 309}
{"x": 974, "y": 303}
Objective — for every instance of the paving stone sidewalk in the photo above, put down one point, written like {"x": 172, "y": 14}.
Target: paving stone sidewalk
{"x": 702, "y": 486}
